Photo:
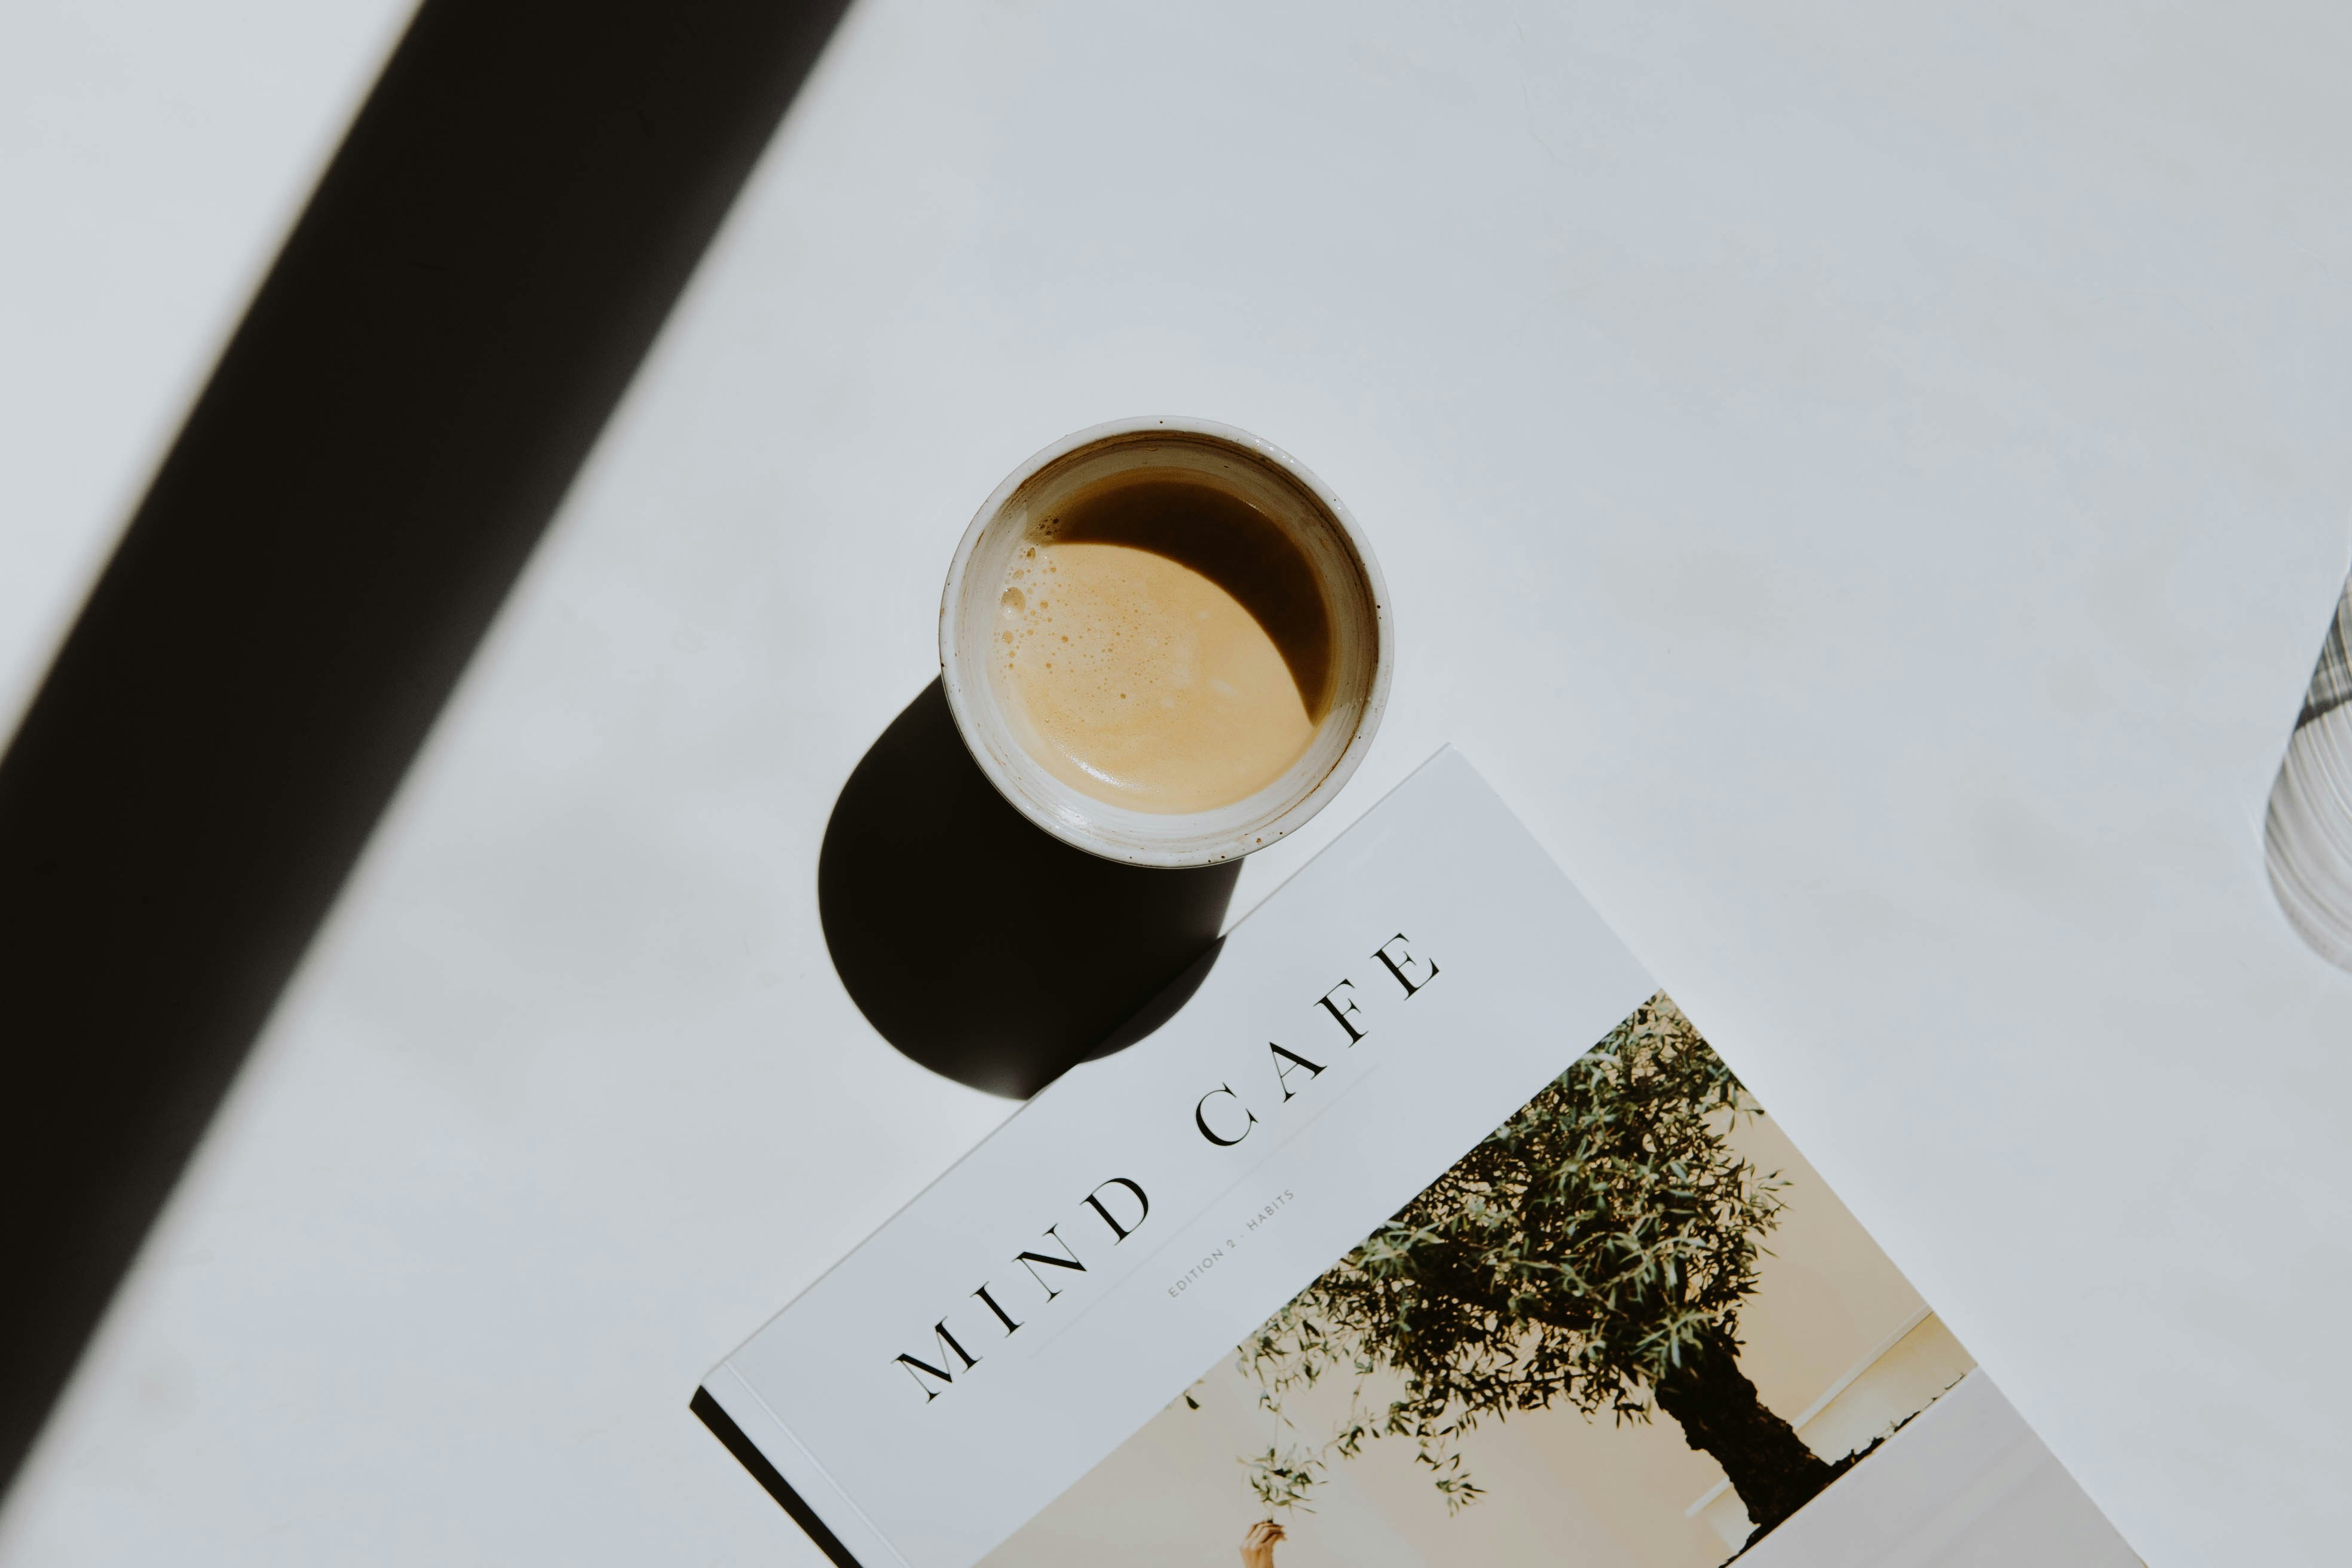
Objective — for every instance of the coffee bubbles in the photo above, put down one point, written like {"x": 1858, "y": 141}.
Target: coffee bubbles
{"x": 1163, "y": 646}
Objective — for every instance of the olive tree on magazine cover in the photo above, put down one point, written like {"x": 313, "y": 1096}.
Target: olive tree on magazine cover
{"x": 1593, "y": 1252}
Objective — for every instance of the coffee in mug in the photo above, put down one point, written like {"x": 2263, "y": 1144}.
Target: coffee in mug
{"x": 1165, "y": 646}
{"x": 1164, "y": 641}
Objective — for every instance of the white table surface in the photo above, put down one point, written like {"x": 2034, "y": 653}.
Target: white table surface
{"x": 1868, "y": 488}
{"x": 152, "y": 155}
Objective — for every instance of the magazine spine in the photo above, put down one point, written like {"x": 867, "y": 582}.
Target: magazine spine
{"x": 743, "y": 1424}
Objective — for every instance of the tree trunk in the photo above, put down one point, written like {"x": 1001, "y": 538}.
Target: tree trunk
{"x": 1768, "y": 1463}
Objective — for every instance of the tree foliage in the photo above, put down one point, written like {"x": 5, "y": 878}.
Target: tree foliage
{"x": 1597, "y": 1243}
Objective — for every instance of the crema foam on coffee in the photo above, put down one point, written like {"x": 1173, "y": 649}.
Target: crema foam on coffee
{"x": 1165, "y": 646}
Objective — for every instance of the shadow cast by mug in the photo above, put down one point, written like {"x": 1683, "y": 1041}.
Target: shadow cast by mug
{"x": 982, "y": 948}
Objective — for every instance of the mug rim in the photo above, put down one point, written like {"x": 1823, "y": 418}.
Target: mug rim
{"x": 1255, "y": 834}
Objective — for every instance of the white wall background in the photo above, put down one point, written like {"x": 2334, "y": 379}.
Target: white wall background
{"x": 1867, "y": 484}
{"x": 152, "y": 155}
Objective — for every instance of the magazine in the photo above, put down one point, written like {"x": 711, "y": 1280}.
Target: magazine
{"x": 1423, "y": 1228}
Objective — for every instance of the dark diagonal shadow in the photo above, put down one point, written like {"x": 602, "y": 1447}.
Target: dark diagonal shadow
{"x": 985, "y": 949}
{"x": 472, "y": 285}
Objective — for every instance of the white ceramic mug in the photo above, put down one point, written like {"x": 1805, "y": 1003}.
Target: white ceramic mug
{"x": 1316, "y": 523}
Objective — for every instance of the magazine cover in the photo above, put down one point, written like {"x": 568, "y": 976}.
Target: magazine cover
{"x": 1630, "y": 1329}
{"x": 1424, "y": 1230}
